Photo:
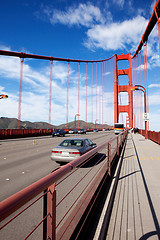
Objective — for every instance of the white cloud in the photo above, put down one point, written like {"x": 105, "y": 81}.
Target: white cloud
{"x": 154, "y": 86}
{"x": 120, "y": 3}
{"x": 84, "y": 15}
{"x": 116, "y": 36}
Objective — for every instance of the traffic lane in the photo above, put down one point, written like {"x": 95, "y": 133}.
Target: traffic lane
{"x": 16, "y": 155}
{"x": 35, "y": 213}
{"x": 21, "y": 170}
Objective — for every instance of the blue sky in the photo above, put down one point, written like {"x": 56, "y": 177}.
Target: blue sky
{"x": 91, "y": 30}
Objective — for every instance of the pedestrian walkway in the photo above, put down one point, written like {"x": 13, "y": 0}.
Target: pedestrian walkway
{"x": 136, "y": 209}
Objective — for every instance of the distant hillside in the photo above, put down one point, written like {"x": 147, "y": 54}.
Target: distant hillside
{"x": 11, "y": 123}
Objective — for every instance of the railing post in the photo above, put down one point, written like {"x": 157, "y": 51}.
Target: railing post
{"x": 117, "y": 145}
{"x": 121, "y": 140}
{"x": 109, "y": 159}
{"x": 49, "y": 226}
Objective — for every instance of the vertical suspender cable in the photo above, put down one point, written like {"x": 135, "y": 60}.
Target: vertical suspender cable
{"x": 144, "y": 65}
{"x": 100, "y": 93}
{"x": 92, "y": 98}
{"x": 140, "y": 82}
{"x": 138, "y": 102}
{"x": 67, "y": 95}
{"x": 86, "y": 96}
{"x": 96, "y": 94}
{"x": 146, "y": 76}
{"x": 78, "y": 90}
{"x": 147, "y": 86}
{"x": 50, "y": 93}
{"x": 20, "y": 94}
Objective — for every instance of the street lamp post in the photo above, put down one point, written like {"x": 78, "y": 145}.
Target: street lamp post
{"x": 75, "y": 119}
{"x": 141, "y": 88}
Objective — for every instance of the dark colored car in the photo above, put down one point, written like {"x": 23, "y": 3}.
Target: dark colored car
{"x": 95, "y": 130}
{"x": 59, "y": 132}
{"x": 82, "y": 131}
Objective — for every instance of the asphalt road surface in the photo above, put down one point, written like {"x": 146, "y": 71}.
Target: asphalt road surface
{"x": 24, "y": 161}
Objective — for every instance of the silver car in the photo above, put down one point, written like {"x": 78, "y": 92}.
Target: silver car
{"x": 71, "y": 148}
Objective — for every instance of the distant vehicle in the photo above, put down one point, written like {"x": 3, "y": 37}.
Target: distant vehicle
{"x": 59, "y": 132}
{"x": 72, "y": 131}
{"x": 71, "y": 148}
{"x": 118, "y": 128}
{"x": 135, "y": 130}
{"x": 82, "y": 131}
{"x": 95, "y": 130}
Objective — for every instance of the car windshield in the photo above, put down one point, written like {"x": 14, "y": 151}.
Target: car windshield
{"x": 58, "y": 130}
{"x": 72, "y": 143}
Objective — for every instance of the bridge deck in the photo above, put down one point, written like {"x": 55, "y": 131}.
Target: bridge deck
{"x": 136, "y": 207}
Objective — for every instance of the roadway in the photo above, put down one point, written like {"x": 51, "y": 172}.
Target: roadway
{"x": 23, "y": 162}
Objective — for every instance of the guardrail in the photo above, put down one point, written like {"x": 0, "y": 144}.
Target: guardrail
{"x": 63, "y": 207}
{"x": 16, "y": 133}
{"x": 21, "y": 133}
{"x": 152, "y": 135}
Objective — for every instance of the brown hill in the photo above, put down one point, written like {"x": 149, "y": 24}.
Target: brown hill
{"x": 11, "y": 123}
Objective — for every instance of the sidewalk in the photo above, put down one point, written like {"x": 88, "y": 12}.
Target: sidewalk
{"x": 136, "y": 208}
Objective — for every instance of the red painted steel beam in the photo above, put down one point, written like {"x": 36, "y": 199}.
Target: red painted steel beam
{"x": 152, "y": 22}
{"x": 27, "y": 55}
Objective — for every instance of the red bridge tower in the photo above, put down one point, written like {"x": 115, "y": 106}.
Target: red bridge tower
{"x": 123, "y": 88}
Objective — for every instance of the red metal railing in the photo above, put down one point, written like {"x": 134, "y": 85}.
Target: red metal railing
{"x": 14, "y": 133}
{"x": 152, "y": 135}
{"x": 66, "y": 193}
